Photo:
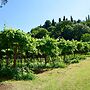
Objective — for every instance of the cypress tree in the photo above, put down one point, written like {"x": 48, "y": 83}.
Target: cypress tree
{"x": 71, "y": 18}
{"x": 59, "y": 19}
{"x": 88, "y": 17}
{"x": 53, "y": 22}
{"x": 64, "y": 18}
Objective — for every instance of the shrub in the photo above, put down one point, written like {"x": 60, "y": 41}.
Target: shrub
{"x": 60, "y": 65}
{"x": 16, "y": 74}
{"x": 56, "y": 65}
{"x": 74, "y": 61}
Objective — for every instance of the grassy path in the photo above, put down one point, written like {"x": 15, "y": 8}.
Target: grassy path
{"x": 74, "y": 77}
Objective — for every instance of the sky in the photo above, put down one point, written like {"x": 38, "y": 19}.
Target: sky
{"x": 28, "y": 14}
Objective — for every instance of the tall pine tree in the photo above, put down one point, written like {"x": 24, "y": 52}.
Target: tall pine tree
{"x": 59, "y": 19}
{"x": 71, "y": 18}
{"x": 53, "y": 22}
{"x": 64, "y": 18}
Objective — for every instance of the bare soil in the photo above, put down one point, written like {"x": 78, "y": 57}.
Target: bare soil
{"x": 5, "y": 86}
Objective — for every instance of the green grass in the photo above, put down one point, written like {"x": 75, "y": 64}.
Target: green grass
{"x": 73, "y": 77}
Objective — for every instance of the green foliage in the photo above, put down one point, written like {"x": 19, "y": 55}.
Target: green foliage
{"x": 79, "y": 30}
{"x": 85, "y": 37}
{"x": 47, "y": 24}
{"x": 71, "y": 18}
{"x": 67, "y": 29}
{"x": 48, "y": 46}
{"x": 23, "y": 74}
{"x": 39, "y": 50}
{"x": 51, "y": 29}
{"x": 74, "y": 61}
{"x": 59, "y": 65}
{"x": 67, "y": 47}
{"x": 16, "y": 74}
{"x": 39, "y": 32}
{"x": 59, "y": 28}
{"x": 67, "y": 32}
{"x": 53, "y": 22}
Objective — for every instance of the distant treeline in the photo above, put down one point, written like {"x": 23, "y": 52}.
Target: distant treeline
{"x": 64, "y": 28}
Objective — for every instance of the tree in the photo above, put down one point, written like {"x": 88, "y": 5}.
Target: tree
{"x": 19, "y": 43}
{"x": 59, "y": 19}
{"x": 88, "y": 17}
{"x": 53, "y": 22}
{"x": 51, "y": 31}
{"x": 39, "y": 32}
{"x": 1, "y": 47}
{"x": 47, "y": 24}
{"x": 78, "y": 21}
{"x": 6, "y": 43}
{"x": 57, "y": 32}
{"x": 67, "y": 32}
{"x": 48, "y": 48}
{"x": 71, "y": 18}
{"x": 85, "y": 37}
{"x": 87, "y": 23}
{"x": 64, "y": 18}
{"x": 79, "y": 30}
{"x": 60, "y": 27}
{"x": 66, "y": 48}
{"x": 30, "y": 49}
{"x": 15, "y": 40}
{"x": 80, "y": 47}
{"x": 3, "y": 2}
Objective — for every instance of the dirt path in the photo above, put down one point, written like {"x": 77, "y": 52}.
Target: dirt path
{"x": 5, "y": 86}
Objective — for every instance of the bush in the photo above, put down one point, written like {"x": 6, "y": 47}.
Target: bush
{"x": 6, "y": 73}
{"x": 16, "y": 74}
{"x": 24, "y": 76}
{"x": 88, "y": 53}
{"x": 56, "y": 65}
{"x": 60, "y": 65}
{"x": 74, "y": 61}
{"x": 48, "y": 65}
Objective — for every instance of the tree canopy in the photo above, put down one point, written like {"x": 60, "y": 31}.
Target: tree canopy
{"x": 3, "y": 2}
{"x": 65, "y": 28}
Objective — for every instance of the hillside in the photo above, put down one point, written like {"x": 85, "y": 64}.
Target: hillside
{"x": 74, "y": 77}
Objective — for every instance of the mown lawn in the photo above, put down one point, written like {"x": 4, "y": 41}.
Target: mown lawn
{"x": 73, "y": 77}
